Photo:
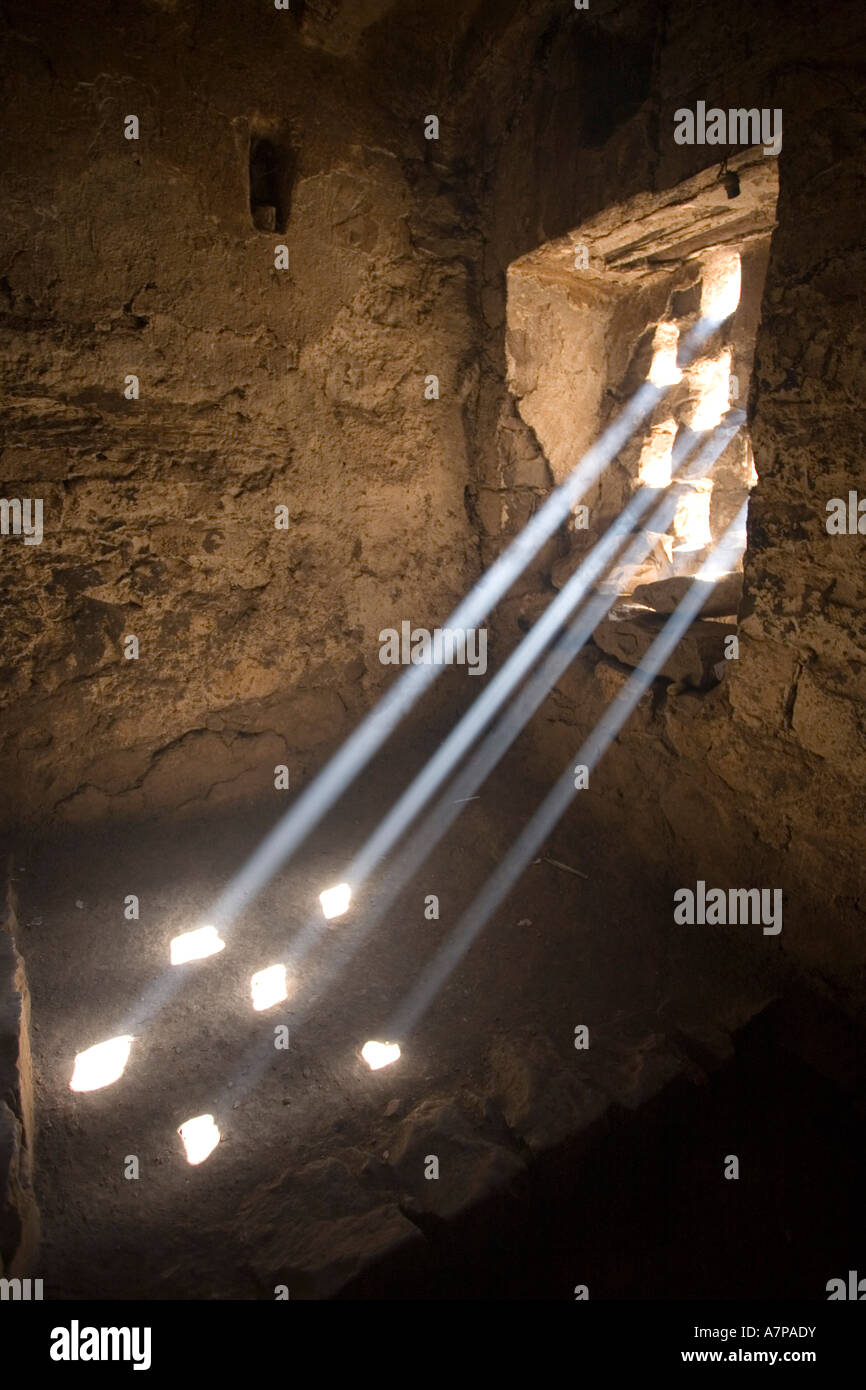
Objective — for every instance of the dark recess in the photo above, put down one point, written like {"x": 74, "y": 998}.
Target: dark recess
{"x": 271, "y": 174}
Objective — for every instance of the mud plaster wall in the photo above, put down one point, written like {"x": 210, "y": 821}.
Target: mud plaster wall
{"x": 758, "y": 781}
{"x": 258, "y": 388}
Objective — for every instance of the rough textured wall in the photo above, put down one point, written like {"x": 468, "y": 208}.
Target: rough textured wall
{"x": 259, "y": 388}
{"x": 759, "y": 780}
{"x": 19, "y": 1218}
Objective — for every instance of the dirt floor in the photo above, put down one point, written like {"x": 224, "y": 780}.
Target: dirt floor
{"x": 558, "y": 1166}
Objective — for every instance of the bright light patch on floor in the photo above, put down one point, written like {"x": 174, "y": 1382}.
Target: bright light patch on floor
{"x": 195, "y": 945}
{"x": 663, "y": 369}
{"x": 268, "y": 987}
{"x": 335, "y": 901}
{"x": 101, "y": 1065}
{"x": 200, "y": 1137}
{"x": 377, "y": 1054}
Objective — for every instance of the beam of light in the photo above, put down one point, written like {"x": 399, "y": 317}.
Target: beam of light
{"x": 494, "y": 747}
{"x": 365, "y": 741}
{"x": 269, "y": 987}
{"x": 200, "y": 1137}
{"x": 469, "y": 728}
{"x": 362, "y": 745}
{"x": 525, "y": 848}
{"x": 436, "y": 824}
{"x": 102, "y": 1064}
{"x": 335, "y": 901}
{"x": 196, "y": 945}
{"x": 378, "y": 1054}
{"x": 495, "y": 695}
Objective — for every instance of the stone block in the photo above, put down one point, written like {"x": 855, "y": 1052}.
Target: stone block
{"x": 663, "y": 596}
{"x": 701, "y": 648}
{"x": 471, "y": 1167}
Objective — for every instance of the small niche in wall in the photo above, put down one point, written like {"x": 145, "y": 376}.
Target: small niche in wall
{"x": 271, "y": 175}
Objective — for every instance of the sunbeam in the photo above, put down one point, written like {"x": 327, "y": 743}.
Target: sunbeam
{"x": 547, "y": 816}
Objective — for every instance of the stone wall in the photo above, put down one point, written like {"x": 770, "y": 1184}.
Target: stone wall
{"x": 259, "y": 388}
{"x": 19, "y": 1217}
